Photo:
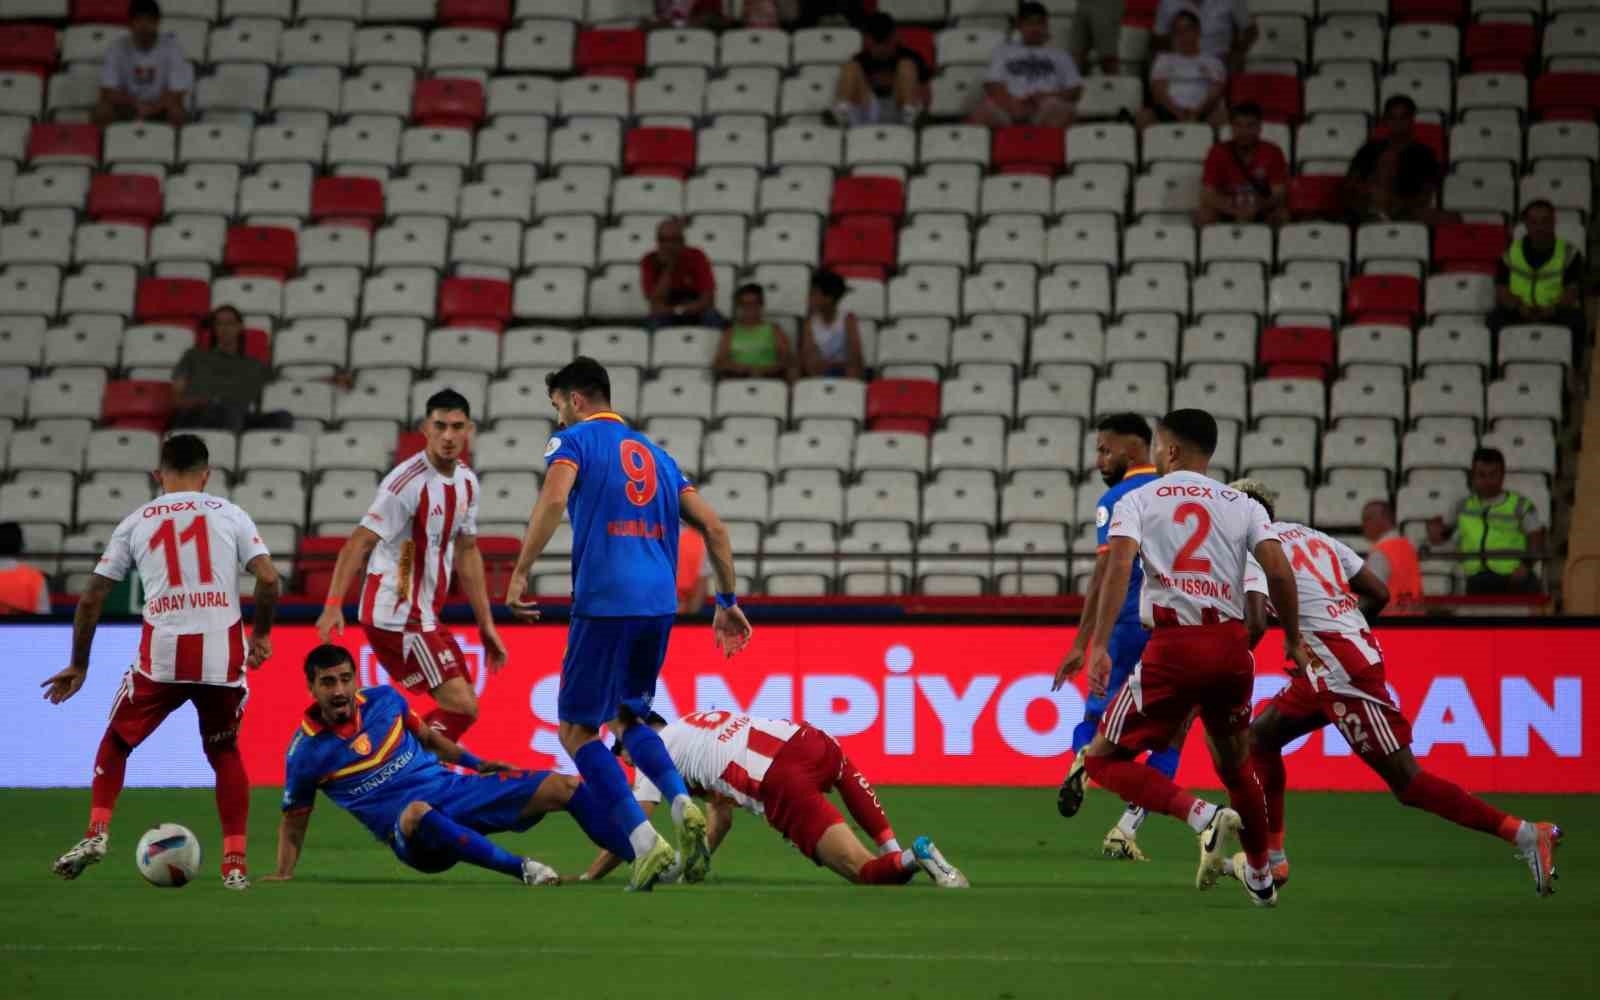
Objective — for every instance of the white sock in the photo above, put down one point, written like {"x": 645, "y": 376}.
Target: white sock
{"x": 1132, "y": 819}
{"x": 1200, "y": 815}
{"x": 890, "y": 846}
{"x": 679, "y": 803}
{"x": 908, "y": 858}
{"x": 643, "y": 838}
{"x": 1257, "y": 878}
{"x": 1527, "y": 836}
{"x": 1277, "y": 857}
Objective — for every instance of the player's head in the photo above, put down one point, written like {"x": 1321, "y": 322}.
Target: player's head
{"x": 1377, "y": 519}
{"x": 331, "y": 676}
{"x": 1245, "y": 120}
{"x": 447, "y": 426}
{"x": 185, "y": 464}
{"x": 579, "y": 390}
{"x": 1033, "y": 23}
{"x": 1185, "y": 440}
{"x": 1488, "y": 475}
{"x": 1260, "y": 492}
{"x": 144, "y": 23}
{"x": 1121, "y": 442}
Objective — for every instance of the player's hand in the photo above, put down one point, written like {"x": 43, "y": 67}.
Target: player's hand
{"x": 730, "y": 630}
{"x": 278, "y": 877}
{"x": 494, "y": 648}
{"x": 522, "y": 611}
{"x": 1298, "y": 656}
{"x": 64, "y": 684}
{"x": 330, "y": 624}
{"x": 260, "y": 651}
{"x": 1069, "y": 667}
{"x": 1099, "y": 673}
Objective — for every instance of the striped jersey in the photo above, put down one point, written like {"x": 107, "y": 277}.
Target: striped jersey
{"x": 189, "y": 548}
{"x": 417, "y": 515}
{"x": 721, "y": 752}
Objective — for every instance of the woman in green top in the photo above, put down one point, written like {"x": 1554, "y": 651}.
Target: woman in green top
{"x": 752, "y": 346}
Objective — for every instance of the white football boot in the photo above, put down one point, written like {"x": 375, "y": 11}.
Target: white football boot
{"x": 538, "y": 873}
{"x": 943, "y": 873}
{"x": 89, "y": 851}
{"x": 1217, "y": 841}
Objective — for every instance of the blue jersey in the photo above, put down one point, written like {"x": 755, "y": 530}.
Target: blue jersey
{"x": 624, "y": 513}
{"x": 1134, "y": 478}
{"x": 373, "y": 767}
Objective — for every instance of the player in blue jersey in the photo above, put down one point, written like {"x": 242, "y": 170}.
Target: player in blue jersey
{"x": 625, "y": 498}
{"x": 1122, "y": 454}
{"x": 376, "y": 759}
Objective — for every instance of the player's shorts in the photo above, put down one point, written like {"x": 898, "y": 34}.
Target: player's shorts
{"x": 1184, "y": 668}
{"x": 487, "y": 803}
{"x": 611, "y": 662}
{"x": 141, "y": 705}
{"x": 1127, "y": 644}
{"x": 794, "y": 791}
{"x": 418, "y": 661}
{"x": 1365, "y": 716}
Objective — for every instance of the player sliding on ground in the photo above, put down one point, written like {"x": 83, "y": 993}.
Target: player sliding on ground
{"x": 784, "y": 771}
{"x": 624, "y": 497}
{"x": 377, "y": 760}
{"x": 1193, "y": 535}
{"x": 1344, "y": 685}
{"x": 189, "y": 547}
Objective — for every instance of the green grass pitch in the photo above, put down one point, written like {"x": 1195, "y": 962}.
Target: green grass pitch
{"x": 1384, "y": 902}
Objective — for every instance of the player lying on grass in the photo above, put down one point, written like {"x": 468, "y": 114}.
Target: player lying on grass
{"x": 377, "y": 759}
{"x": 784, "y": 771}
{"x": 1344, "y": 685}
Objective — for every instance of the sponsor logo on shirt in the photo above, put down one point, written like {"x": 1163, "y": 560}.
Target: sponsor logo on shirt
{"x": 553, "y": 447}
{"x": 1031, "y": 67}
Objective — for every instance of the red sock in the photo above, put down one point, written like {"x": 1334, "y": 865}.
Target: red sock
{"x": 1246, "y": 798}
{"x": 450, "y": 724}
{"x": 1452, "y": 802}
{"x": 1269, "y": 769}
{"x": 863, "y": 805}
{"x": 233, "y": 804}
{"x": 886, "y": 870}
{"x": 1140, "y": 785}
{"x": 110, "y": 765}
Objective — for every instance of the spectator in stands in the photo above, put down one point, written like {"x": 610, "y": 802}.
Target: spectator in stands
{"x": 1028, "y": 82}
{"x": 1499, "y": 533}
{"x": 1245, "y": 178}
{"x": 813, "y": 12}
{"x": 1096, "y": 27}
{"x": 145, "y": 76}
{"x": 830, "y": 341}
{"x": 1392, "y": 557}
{"x": 1540, "y": 277}
{"x": 694, "y": 573}
{"x": 1186, "y": 85}
{"x": 886, "y": 82}
{"x": 1226, "y": 29}
{"x": 752, "y": 346}
{"x": 219, "y": 385}
{"x": 678, "y": 281}
{"x": 23, "y": 589}
{"x": 1395, "y": 178}
{"x": 691, "y": 14}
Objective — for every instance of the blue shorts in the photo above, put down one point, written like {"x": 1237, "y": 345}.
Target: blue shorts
{"x": 487, "y": 803}
{"x": 1126, "y": 646}
{"x": 611, "y": 662}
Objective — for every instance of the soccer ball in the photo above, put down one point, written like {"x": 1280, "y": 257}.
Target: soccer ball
{"x": 168, "y": 855}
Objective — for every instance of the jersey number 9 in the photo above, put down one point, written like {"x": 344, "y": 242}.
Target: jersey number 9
{"x": 640, "y": 468}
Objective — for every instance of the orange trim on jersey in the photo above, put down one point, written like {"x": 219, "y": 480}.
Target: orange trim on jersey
{"x": 605, "y": 415}
{"x": 686, "y": 488}
{"x": 1102, "y": 550}
{"x": 563, "y": 461}
{"x": 312, "y": 722}
{"x": 1140, "y": 470}
{"x": 380, "y": 755}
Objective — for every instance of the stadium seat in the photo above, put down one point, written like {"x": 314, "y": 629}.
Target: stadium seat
{"x": 269, "y": 251}
{"x": 350, "y": 201}
{"x": 131, "y": 198}
{"x": 902, "y": 405}
{"x": 475, "y": 302}
{"x": 1278, "y": 94}
{"x": 609, "y": 48}
{"x": 661, "y": 151}
{"x": 862, "y": 240}
{"x": 1473, "y": 247}
{"x": 30, "y": 47}
{"x": 1029, "y": 149}
{"x": 134, "y": 404}
{"x": 172, "y": 300}
{"x": 1567, "y": 95}
{"x": 448, "y": 103}
{"x": 1384, "y": 298}
{"x": 1297, "y": 351}
{"x": 1316, "y": 196}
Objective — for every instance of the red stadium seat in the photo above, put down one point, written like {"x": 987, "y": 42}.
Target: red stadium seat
{"x": 347, "y": 201}
{"x": 1567, "y": 95}
{"x": 609, "y": 47}
{"x": 1499, "y": 46}
{"x": 1029, "y": 149}
{"x": 1297, "y": 351}
{"x": 1427, "y": 11}
{"x": 1393, "y": 299}
{"x": 479, "y": 302}
{"x": 134, "y": 198}
{"x": 99, "y": 12}
{"x": 257, "y": 343}
{"x": 313, "y": 568}
{"x": 500, "y": 554}
{"x": 1469, "y": 246}
{"x": 492, "y": 14}
{"x": 30, "y": 47}
{"x": 868, "y": 195}
{"x": 1430, "y": 134}
{"x": 861, "y": 240}
{"x": 447, "y": 102}
{"x": 185, "y": 301}
{"x": 272, "y": 251}
{"x": 67, "y": 143}
{"x": 1139, "y": 13}
{"x": 904, "y": 404}
{"x": 1316, "y": 196}
{"x": 130, "y": 403}
{"x": 1277, "y": 93}
{"x": 920, "y": 41}
{"x": 666, "y": 152}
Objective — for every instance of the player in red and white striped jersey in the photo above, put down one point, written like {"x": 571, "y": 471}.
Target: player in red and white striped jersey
{"x": 189, "y": 547}
{"x": 783, "y": 771}
{"x": 423, "y": 522}
{"x": 1344, "y": 685}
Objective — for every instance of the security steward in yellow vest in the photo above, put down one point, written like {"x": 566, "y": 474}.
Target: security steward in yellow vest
{"x": 1540, "y": 277}
{"x": 1499, "y": 534}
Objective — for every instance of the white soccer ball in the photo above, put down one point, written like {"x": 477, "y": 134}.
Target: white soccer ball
{"x": 168, "y": 855}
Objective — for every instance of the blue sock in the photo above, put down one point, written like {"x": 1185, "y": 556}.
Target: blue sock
{"x": 1083, "y": 732}
{"x": 438, "y": 832}
{"x": 1165, "y": 761}
{"x": 650, "y": 756}
{"x": 595, "y": 820}
{"x": 609, "y": 785}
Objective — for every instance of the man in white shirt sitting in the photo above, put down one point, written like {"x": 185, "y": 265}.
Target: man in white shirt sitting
{"x": 145, "y": 76}
{"x": 1029, "y": 83}
{"x": 1186, "y": 85}
{"x": 1226, "y": 29}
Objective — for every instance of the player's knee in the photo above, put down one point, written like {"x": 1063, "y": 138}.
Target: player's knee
{"x": 412, "y": 815}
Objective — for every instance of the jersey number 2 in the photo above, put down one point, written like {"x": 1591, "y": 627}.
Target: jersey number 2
{"x": 640, "y": 468}
{"x": 168, "y": 538}
{"x": 1187, "y": 562}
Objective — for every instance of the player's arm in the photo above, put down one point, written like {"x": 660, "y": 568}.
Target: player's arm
{"x": 448, "y": 750}
{"x": 469, "y": 569}
{"x": 1285, "y": 596}
{"x": 542, "y": 524}
{"x": 1374, "y": 593}
{"x": 1120, "y": 553}
{"x": 352, "y": 556}
{"x": 605, "y": 862}
{"x": 1255, "y": 616}
{"x": 85, "y": 620}
{"x": 266, "y": 609}
{"x": 291, "y": 839}
{"x": 730, "y": 628}
{"x": 1086, "y": 622}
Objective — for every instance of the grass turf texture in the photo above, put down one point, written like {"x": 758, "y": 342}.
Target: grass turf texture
{"x": 1384, "y": 901}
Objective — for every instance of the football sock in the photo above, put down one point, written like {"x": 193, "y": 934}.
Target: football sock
{"x": 439, "y": 833}
{"x": 1142, "y": 786}
{"x": 606, "y": 780}
{"x": 650, "y": 756}
{"x": 594, "y": 819}
{"x": 1244, "y": 794}
{"x": 1450, "y": 801}
{"x": 1165, "y": 761}
{"x": 862, "y": 803}
{"x": 110, "y": 765}
{"x": 450, "y": 725}
{"x": 1132, "y": 819}
{"x": 890, "y": 869}
{"x": 1083, "y": 732}
{"x": 233, "y": 803}
{"x": 1269, "y": 770}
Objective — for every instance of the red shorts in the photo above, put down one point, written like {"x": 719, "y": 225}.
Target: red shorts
{"x": 141, "y": 705}
{"x": 1184, "y": 669}
{"x": 418, "y": 661}
{"x": 794, "y": 792}
{"x": 1369, "y": 721}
